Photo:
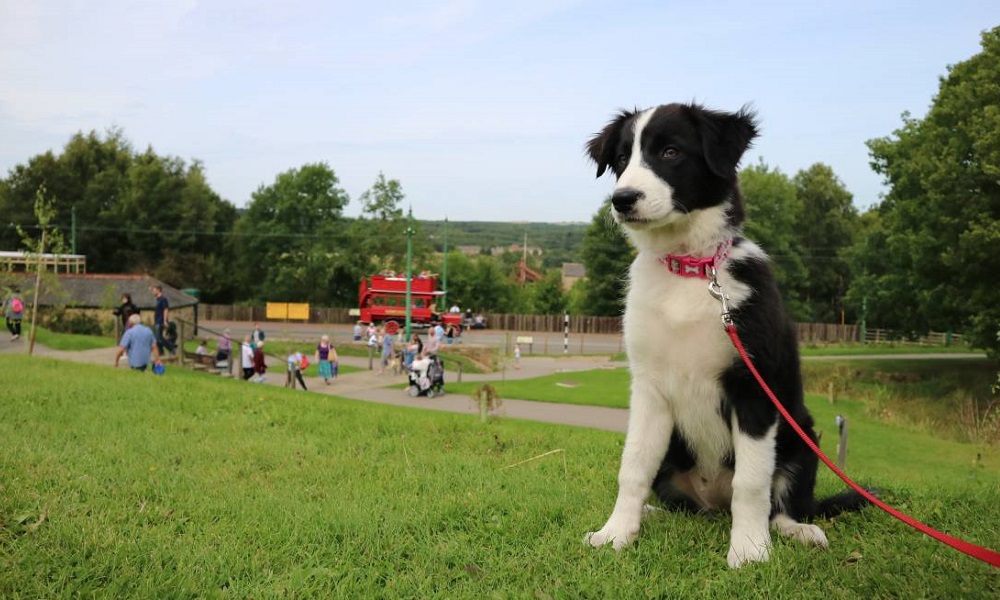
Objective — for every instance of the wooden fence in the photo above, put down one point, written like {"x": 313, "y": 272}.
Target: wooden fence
{"x": 808, "y": 332}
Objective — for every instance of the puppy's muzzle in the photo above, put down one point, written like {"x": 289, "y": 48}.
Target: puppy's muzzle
{"x": 625, "y": 199}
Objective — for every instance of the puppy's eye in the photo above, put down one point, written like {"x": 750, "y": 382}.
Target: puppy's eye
{"x": 621, "y": 161}
{"x": 670, "y": 152}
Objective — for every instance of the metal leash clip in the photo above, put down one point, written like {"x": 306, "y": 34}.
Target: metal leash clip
{"x": 715, "y": 289}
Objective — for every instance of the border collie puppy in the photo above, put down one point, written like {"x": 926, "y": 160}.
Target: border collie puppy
{"x": 702, "y": 435}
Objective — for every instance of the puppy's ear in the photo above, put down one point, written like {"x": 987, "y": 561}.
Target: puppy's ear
{"x": 725, "y": 137}
{"x": 601, "y": 147}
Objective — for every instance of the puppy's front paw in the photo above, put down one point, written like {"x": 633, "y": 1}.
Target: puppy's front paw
{"x": 616, "y": 535}
{"x": 745, "y": 549}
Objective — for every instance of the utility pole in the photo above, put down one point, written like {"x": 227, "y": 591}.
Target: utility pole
{"x": 72, "y": 237}
{"x": 409, "y": 269}
{"x": 444, "y": 269}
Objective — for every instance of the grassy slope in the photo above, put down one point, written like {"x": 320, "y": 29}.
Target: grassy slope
{"x": 133, "y": 485}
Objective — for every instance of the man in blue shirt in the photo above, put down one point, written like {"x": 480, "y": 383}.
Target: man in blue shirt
{"x": 139, "y": 344}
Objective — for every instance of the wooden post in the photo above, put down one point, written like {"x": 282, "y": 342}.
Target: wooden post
{"x": 180, "y": 342}
{"x": 34, "y": 304}
{"x": 842, "y": 443}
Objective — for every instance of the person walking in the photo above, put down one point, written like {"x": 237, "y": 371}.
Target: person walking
{"x": 258, "y": 336}
{"x": 259, "y": 366}
{"x": 388, "y": 345}
{"x": 126, "y": 309}
{"x": 14, "y": 311}
{"x": 139, "y": 345}
{"x": 326, "y": 358}
{"x": 161, "y": 319}
{"x": 246, "y": 357}
{"x": 295, "y": 369}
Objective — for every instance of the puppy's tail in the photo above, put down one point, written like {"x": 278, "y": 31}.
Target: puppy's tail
{"x": 846, "y": 501}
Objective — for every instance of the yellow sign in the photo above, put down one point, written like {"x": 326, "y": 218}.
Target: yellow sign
{"x": 283, "y": 311}
{"x": 277, "y": 310}
{"x": 298, "y": 312}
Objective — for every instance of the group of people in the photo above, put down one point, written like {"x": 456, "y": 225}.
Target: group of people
{"x": 164, "y": 330}
{"x": 141, "y": 345}
{"x": 415, "y": 354}
{"x": 327, "y": 361}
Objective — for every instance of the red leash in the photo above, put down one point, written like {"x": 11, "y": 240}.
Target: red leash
{"x": 984, "y": 554}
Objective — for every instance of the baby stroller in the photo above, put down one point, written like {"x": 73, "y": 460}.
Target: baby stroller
{"x": 431, "y": 385}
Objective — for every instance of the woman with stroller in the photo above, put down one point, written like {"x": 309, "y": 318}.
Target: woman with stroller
{"x": 412, "y": 351}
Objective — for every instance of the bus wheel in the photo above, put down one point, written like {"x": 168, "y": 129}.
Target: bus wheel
{"x": 391, "y": 327}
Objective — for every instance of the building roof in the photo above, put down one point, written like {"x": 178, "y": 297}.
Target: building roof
{"x": 94, "y": 290}
{"x": 574, "y": 270}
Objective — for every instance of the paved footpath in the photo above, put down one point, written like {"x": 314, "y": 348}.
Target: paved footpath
{"x": 368, "y": 386}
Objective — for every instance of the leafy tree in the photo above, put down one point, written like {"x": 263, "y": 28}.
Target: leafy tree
{"x": 933, "y": 261}
{"x": 607, "y": 255}
{"x": 547, "y": 294}
{"x": 135, "y": 212}
{"x": 91, "y": 174}
{"x": 773, "y": 214}
{"x": 828, "y": 226}
{"x": 291, "y": 239}
{"x": 384, "y": 226}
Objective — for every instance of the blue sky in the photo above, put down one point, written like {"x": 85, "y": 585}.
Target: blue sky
{"x": 479, "y": 108}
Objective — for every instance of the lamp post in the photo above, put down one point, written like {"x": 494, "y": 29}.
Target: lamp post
{"x": 409, "y": 269}
{"x": 444, "y": 269}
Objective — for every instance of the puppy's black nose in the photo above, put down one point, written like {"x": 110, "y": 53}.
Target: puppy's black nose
{"x": 624, "y": 199}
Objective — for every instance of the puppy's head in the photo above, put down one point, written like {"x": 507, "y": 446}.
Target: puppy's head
{"x": 673, "y": 160}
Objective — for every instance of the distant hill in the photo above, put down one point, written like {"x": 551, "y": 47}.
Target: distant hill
{"x": 560, "y": 242}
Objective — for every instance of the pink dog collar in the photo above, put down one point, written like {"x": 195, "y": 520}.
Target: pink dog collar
{"x": 686, "y": 265}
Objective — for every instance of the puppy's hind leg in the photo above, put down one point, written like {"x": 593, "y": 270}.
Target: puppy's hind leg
{"x": 806, "y": 533}
{"x": 649, "y": 427}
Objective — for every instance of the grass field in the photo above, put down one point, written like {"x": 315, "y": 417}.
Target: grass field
{"x": 950, "y": 398}
{"x": 68, "y": 341}
{"x": 131, "y": 485}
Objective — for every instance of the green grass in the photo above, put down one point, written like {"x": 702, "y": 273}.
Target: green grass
{"x": 131, "y": 485}
{"x": 601, "y": 387}
{"x": 950, "y": 398}
{"x": 68, "y": 341}
{"x": 882, "y": 348}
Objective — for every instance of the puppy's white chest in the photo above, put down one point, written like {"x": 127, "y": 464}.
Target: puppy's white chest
{"x": 672, "y": 323}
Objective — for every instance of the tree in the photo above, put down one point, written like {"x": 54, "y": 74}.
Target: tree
{"x": 773, "y": 214}
{"x": 383, "y": 226}
{"x": 607, "y": 255}
{"x": 134, "y": 212}
{"x": 547, "y": 294}
{"x": 292, "y": 242}
{"x": 933, "y": 261}
{"x": 828, "y": 227}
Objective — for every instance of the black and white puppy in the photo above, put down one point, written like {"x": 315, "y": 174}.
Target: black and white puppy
{"x": 702, "y": 435}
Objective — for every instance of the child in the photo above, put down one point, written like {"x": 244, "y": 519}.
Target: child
{"x": 294, "y": 369}
{"x": 258, "y": 364}
{"x": 246, "y": 358}
{"x": 517, "y": 356}
{"x": 202, "y": 349}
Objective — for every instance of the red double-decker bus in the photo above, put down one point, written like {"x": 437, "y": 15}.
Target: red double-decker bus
{"x": 382, "y": 299}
